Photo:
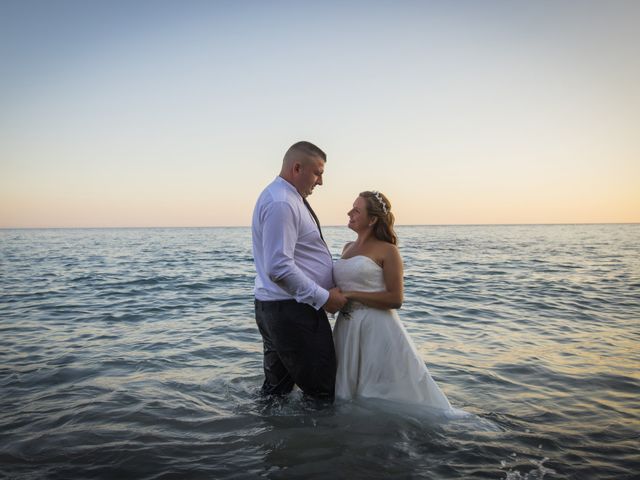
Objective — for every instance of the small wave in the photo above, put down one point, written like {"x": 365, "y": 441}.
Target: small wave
{"x": 538, "y": 472}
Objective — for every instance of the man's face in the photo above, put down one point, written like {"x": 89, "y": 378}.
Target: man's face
{"x": 309, "y": 174}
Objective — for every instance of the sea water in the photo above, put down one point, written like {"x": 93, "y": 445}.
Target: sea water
{"x": 133, "y": 353}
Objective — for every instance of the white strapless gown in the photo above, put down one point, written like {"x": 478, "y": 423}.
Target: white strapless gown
{"x": 376, "y": 357}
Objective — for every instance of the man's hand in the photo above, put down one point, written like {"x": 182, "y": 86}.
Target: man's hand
{"x": 335, "y": 301}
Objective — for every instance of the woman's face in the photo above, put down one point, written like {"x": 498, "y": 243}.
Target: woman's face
{"x": 358, "y": 217}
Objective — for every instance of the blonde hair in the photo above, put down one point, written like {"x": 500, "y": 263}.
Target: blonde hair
{"x": 379, "y": 207}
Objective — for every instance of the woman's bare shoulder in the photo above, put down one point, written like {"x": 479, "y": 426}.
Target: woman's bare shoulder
{"x": 346, "y": 246}
{"x": 386, "y": 252}
{"x": 387, "y": 248}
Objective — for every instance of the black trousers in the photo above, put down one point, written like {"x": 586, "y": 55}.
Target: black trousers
{"x": 298, "y": 349}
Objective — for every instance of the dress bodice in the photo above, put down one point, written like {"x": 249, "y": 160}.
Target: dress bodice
{"x": 359, "y": 273}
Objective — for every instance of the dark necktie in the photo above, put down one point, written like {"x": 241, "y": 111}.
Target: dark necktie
{"x": 313, "y": 214}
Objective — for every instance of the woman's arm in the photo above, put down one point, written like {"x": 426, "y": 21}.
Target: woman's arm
{"x": 393, "y": 296}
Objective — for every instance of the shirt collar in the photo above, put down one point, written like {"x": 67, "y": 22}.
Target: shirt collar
{"x": 286, "y": 184}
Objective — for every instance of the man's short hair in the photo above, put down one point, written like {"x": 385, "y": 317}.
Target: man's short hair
{"x": 306, "y": 148}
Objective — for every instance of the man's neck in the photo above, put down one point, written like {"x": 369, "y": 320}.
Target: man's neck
{"x": 288, "y": 180}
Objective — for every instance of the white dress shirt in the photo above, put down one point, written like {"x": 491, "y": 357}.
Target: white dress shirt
{"x": 292, "y": 261}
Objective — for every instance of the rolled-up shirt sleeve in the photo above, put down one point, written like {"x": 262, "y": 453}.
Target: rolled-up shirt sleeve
{"x": 279, "y": 236}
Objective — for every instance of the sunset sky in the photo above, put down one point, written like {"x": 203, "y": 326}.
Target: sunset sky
{"x": 177, "y": 113}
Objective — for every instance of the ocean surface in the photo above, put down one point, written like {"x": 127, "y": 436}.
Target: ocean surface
{"x": 133, "y": 353}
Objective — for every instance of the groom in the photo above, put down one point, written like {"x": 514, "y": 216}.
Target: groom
{"x": 294, "y": 280}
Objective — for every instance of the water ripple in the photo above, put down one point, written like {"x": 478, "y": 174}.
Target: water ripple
{"x": 133, "y": 353}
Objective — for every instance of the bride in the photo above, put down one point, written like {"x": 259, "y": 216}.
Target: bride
{"x": 376, "y": 357}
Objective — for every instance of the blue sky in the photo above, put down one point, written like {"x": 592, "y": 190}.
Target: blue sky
{"x": 178, "y": 113}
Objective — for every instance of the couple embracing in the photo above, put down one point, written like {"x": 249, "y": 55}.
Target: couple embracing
{"x": 370, "y": 354}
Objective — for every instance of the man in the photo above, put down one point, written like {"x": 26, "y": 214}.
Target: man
{"x": 294, "y": 280}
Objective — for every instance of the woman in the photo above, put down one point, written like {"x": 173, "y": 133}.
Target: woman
{"x": 376, "y": 357}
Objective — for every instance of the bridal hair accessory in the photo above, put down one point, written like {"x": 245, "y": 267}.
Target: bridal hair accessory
{"x": 379, "y": 198}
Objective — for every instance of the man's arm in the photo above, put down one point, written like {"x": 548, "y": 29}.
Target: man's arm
{"x": 279, "y": 237}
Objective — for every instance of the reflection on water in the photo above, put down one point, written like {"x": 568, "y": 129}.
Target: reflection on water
{"x": 133, "y": 353}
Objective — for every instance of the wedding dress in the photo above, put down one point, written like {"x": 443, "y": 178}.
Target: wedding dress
{"x": 375, "y": 355}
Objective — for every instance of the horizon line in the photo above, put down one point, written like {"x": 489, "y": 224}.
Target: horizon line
{"x": 324, "y": 226}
